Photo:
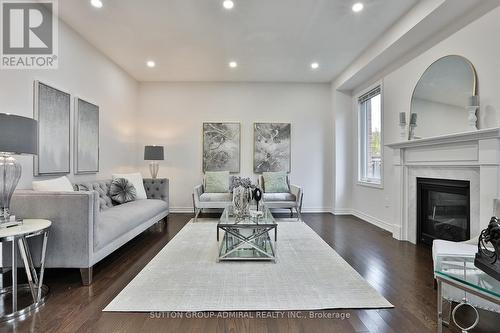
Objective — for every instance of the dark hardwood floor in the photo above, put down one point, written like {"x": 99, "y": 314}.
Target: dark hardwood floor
{"x": 400, "y": 271}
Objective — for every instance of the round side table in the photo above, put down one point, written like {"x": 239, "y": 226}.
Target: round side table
{"x": 17, "y": 236}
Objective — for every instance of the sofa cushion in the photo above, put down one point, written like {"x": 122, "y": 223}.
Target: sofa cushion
{"x": 102, "y": 188}
{"x": 275, "y": 182}
{"x": 278, "y": 197}
{"x": 116, "y": 221}
{"x": 216, "y": 197}
{"x": 217, "y": 181}
{"x": 61, "y": 184}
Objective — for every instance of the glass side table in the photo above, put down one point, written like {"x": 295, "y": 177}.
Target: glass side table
{"x": 460, "y": 272}
{"x": 17, "y": 235}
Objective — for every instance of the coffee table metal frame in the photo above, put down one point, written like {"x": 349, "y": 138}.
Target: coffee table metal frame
{"x": 35, "y": 285}
{"x": 460, "y": 283}
{"x": 260, "y": 228}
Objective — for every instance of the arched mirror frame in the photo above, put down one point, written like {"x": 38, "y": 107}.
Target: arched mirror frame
{"x": 475, "y": 90}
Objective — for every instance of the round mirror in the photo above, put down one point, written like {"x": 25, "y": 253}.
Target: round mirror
{"x": 444, "y": 98}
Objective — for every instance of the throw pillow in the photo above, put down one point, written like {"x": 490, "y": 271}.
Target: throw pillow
{"x": 275, "y": 182}
{"x": 217, "y": 181}
{"x": 61, "y": 184}
{"x": 136, "y": 180}
{"x": 122, "y": 191}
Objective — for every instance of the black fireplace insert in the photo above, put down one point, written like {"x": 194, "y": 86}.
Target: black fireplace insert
{"x": 443, "y": 210}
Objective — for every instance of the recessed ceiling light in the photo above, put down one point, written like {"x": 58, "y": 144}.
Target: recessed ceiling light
{"x": 314, "y": 65}
{"x": 228, "y": 4}
{"x": 96, "y": 3}
{"x": 150, "y": 63}
{"x": 233, "y": 64}
{"x": 357, "y": 7}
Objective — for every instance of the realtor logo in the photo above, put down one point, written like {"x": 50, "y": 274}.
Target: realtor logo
{"x": 29, "y": 34}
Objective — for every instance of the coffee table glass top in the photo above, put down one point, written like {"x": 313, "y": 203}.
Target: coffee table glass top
{"x": 461, "y": 269}
{"x": 266, "y": 218}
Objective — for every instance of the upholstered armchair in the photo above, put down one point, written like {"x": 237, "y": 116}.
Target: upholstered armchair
{"x": 206, "y": 200}
{"x": 291, "y": 200}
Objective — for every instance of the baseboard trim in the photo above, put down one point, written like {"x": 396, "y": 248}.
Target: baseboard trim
{"x": 304, "y": 210}
{"x": 342, "y": 211}
{"x": 181, "y": 210}
{"x": 395, "y": 230}
{"x": 367, "y": 218}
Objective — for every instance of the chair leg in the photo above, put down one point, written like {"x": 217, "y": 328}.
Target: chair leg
{"x": 197, "y": 212}
{"x": 86, "y": 274}
{"x": 299, "y": 214}
{"x": 194, "y": 204}
{"x": 291, "y": 212}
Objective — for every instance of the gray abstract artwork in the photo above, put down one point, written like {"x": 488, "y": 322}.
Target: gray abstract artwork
{"x": 271, "y": 147}
{"x": 86, "y": 137}
{"x": 221, "y": 147}
{"x": 52, "y": 110}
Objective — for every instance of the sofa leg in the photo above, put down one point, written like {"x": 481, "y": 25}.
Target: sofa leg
{"x": 86, "y": 274}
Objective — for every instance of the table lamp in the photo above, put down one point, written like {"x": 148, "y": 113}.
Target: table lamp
{"x": 153, "y": 154}
{"x": 18, "y": 136}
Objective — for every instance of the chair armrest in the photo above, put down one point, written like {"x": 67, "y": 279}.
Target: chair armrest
{"x": 297, "y": 191}
{"x": 197, "y": 192}
{"x": 260, "y": 182}
{"x": 496, "y": 207}
{"x": 157, "y": 188}
{"x": 73, "y": 216}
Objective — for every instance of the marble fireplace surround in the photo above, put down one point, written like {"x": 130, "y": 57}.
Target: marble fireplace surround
{"x": 471, "y": 156}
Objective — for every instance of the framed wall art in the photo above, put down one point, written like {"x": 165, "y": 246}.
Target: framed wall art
{"x": 52, "y": 108}
{"x": 221, "y": 147}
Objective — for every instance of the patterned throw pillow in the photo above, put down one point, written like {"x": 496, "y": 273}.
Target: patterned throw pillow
{"x": 275, "y": 182}
{"x": 122, "y": 191}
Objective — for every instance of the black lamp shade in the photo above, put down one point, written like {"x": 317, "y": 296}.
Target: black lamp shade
{"x": 18, "y": 135}
{"x": 153, "y": 153}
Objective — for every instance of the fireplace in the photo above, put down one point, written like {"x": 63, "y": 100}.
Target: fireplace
{"x": 443, "y": 210}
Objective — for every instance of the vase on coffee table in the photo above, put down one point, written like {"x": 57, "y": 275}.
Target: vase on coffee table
{"x": 241, "y": 201}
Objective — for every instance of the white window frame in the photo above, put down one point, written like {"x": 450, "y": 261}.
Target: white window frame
{"x": 369, "y": 182}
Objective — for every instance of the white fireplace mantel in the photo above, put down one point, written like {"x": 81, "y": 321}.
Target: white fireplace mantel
{"x": 489, "y": 133}
{"x": 472, "y": 156}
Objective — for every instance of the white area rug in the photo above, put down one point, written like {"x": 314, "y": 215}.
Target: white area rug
{"x": 308, "y": 275}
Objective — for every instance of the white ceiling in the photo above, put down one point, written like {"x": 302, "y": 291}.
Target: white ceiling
{"x": 193, "y": 40}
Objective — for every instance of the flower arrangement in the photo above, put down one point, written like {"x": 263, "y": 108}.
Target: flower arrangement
{"x": 243, "y": 182}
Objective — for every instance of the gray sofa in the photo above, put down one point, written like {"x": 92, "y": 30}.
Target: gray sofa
{"x": 86, "y": 225}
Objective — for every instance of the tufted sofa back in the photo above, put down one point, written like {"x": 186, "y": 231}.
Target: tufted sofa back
{"x": 102, "y": 188}
{"x": 155, "y": 188}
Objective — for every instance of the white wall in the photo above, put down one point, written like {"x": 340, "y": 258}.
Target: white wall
{"x": 476, "y": 42}
{"x": 344, "y": 150}
{"x": 83, "y": 72}
{"x": 172, "y": 114}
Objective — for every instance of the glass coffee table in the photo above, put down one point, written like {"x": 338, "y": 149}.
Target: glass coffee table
{"x": 460, "y": 272}
{"x": 247, "y": 238}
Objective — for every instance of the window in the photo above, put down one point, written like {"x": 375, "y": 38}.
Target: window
{"x": 370, "y": 137}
